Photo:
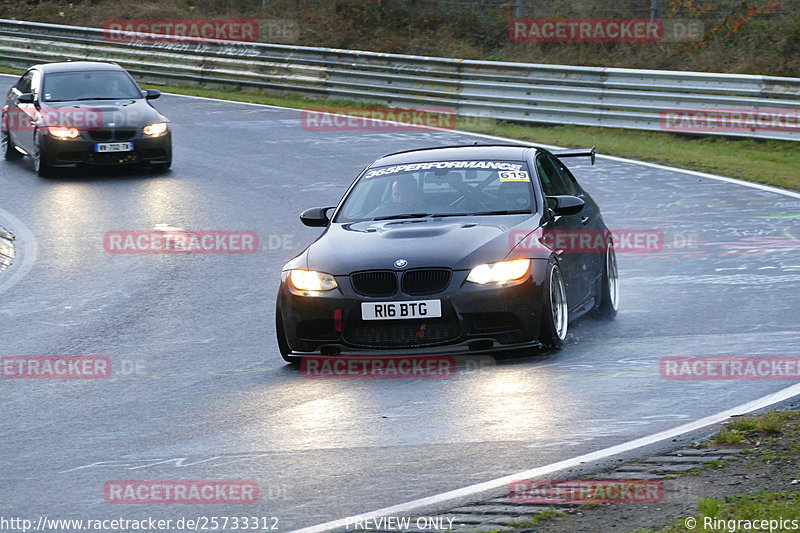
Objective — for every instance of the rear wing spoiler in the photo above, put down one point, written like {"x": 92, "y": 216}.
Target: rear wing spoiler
{"x": 581, "y": 152}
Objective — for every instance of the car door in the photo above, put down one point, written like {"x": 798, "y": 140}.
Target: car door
{"x": 592, "y": 222}
{"x": 22, "y": 117}
{"x": 564, "y": 231}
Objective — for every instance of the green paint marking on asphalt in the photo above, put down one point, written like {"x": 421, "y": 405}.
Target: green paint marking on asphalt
{"x": 781, "y": 216}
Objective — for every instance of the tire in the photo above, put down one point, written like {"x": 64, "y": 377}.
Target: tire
{"x": 7, "y": 146}
{"x": 555, "y": 309}
{"x": 608, "y": 292}
{"x": 38, "y": 164}
{"x": 283, "y": 345}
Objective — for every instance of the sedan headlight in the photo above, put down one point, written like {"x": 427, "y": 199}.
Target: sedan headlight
{"x": 310, "y": 280}
{"x": 63, "y": 132}
{"x": 502, "y": 272}
{"x": 155, "y": 129}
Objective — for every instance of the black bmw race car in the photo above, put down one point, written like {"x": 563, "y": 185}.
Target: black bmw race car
{"x": 83, "y": 112}
{"x": 449, "y": 251}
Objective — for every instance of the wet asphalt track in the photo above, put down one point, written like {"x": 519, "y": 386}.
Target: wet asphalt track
{"x": 212, "y": 398}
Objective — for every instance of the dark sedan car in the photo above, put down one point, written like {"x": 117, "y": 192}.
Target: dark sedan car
{"x": 83, "y": 112}
{"x": 449, "y": 250}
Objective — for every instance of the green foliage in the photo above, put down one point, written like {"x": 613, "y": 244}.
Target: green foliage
{"x": 709, "y": 507}
{"x": 744, "y": 425}
{"x": 737, "y": 37}
{"x": 743, "y": 429}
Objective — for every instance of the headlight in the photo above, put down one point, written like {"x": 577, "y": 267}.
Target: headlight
{"x": 63, "y": 132}
{"x": 309, "y": 280}
{"x": 499, "y": 272}
{"x": 155, "y": 129}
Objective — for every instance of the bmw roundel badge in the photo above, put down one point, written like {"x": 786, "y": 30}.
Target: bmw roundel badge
{"x": 400, "y": 263}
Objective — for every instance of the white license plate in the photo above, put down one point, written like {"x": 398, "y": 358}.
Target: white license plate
{"x": 113, "y": 147}
{"x": 401, "y": 310}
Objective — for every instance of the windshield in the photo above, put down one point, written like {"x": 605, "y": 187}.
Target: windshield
{"x": 439, "y": 188}
{"x": 89, "y": 85}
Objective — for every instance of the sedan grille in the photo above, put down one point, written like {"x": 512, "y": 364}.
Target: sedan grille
{"x": 101, "y": 135}
{"x": 426, "y": 281}
{"x": 124, "y": 135}
{"x": 401, "y": 333}
{"x": 112, "y": 135}
{"x": 375, "y": 283}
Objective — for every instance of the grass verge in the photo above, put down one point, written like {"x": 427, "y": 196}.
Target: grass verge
{"x": 751, "y": 430}
{"x": 763, "y": 511}
{"x": 778, "y": 430}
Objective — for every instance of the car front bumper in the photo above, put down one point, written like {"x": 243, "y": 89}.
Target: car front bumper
{"x": 474, "y": 319}
{"x": 81, "y": 151}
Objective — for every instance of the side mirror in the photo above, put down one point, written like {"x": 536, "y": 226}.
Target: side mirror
{"x": 25, "y": 98}
{"x": 565, "y": 205}
{"x": 316, "y": 217}
{"x": 152, "y": 94}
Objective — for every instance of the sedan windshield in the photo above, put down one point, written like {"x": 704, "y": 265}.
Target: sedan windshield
{"x": 439, "y": 188}
{"x": 89, "y": 85}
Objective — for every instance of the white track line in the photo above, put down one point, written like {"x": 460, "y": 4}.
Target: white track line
{"x": 535, "y": 473}
{"x": 754, "y": 405}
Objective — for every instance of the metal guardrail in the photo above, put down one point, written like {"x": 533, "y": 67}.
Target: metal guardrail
{"x": 535, "y": 93}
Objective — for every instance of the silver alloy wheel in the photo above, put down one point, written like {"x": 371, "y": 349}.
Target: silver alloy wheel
{"x": 36, "y": 157}
{"x": 612, "y": 277}
{"x": 558, "y": 303}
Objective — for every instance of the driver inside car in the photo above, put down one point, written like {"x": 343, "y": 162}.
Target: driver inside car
{"x": 403, "y": 197}
{"x": 405, "y": 192}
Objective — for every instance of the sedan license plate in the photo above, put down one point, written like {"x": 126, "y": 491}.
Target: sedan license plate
{"x": 401, "y": 310}
{"x": 113, "y": 147}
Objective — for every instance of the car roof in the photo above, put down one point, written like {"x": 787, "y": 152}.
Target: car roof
{"x": 76, "y": 66}
{"x": 500, "y": 152}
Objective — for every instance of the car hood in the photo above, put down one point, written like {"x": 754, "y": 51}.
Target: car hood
{"x": 457, "y": 243}
{"x": 95, "y": 114}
